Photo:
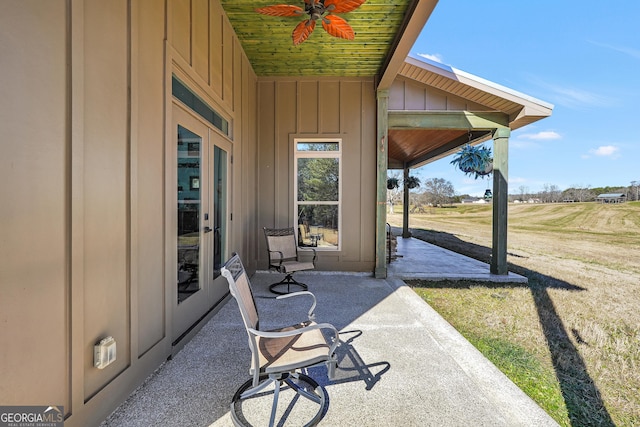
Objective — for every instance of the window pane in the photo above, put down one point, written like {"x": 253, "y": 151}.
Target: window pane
{"x": 184, "y": 94}
{"x": 189, "y": 210}
{"x": 318, "y": 225}
{"x": 220, "y": 208}
{"x": 318, "y": 146}
{"x": 318, "y": 179}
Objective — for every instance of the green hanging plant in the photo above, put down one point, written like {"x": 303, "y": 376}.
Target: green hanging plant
{"x": 474, "y": 161}
{"x": 412, "y": 182}
{"x": 392, "y": 183}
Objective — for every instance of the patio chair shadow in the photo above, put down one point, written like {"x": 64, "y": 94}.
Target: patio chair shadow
{"x": 581, "y": 395}
{"x": 351, "y": 366}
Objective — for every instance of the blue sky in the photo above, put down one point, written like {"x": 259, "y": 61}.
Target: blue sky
{"x": 582, "y": 57}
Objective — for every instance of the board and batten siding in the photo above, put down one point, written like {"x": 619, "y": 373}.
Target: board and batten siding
{"x": 316, "y": 108}
{"x": 408, "y": 95}
{"x": 83, "y": 253}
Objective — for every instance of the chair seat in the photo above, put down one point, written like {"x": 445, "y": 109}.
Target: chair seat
{"x": 291, "y": 266}
{"x": 290, "y": 353}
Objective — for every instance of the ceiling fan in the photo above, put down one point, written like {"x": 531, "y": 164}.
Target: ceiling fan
{"x": 323, "y": 10}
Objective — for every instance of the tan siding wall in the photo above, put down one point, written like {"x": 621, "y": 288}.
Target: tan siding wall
{"x": 181, "y": 20}
{"x": 106, "y": 284}
{"x": 200, "y": 29}
{"x": 216, "y": 21}
{"x": 407, "y": 95}
{"x": 147, "y": 177}
{"x": 343, "y": 108}
{"x": 82, "y": 229}
{"x": 34, "y": 232}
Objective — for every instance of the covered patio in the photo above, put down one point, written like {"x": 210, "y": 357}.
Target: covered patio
{"x": 400, "y": 363}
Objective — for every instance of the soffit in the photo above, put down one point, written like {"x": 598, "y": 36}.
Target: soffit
{"x": 522, "y": 109}
{"x": 267, "y": 42}
{"x": 416, "y": 147}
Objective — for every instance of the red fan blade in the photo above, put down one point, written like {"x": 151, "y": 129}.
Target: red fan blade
{"x": 281, "y": 10}
{"x": 338, "y": 27}
{"x": 302, "y": 31}
{"x": 342, "y": 6}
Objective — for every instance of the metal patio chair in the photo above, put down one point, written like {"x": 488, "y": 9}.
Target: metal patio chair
{"x": 283, "y": 257}
{"x": 279, "y": 357}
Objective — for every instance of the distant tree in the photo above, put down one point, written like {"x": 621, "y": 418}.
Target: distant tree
{"x": 394, "y": 195}
{"x": 578, "y": 193}
{"x": 635, "y": 195}
{"x": 609, "y": 189}
{"x": 551, "y": 193}
{"x": 524, "y": 193}
{"x": 438, "y": 191}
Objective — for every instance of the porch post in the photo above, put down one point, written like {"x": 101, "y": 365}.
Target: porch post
{"x": 405, "y": 210}
{"x": 381, "y": 193}
{"x": 500, "y": 200}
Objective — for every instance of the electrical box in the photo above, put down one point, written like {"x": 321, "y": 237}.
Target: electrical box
{"x": 104, "y": 353}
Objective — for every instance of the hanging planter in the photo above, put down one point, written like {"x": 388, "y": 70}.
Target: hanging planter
{"x": 392, "y": 183}
{"x": 412, "y": 182}
{"x": 474, "y": 161}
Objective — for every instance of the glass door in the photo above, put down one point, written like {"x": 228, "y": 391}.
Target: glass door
{"x": 200, "y": 199}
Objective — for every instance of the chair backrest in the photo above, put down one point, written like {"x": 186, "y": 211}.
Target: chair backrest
{"x": 281, "y": 240}
{"x": 240, "y": 288}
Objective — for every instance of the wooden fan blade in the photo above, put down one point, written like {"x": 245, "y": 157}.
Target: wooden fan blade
{"x": 281, "y": 10}
{"x": 302, "y": 31}
{"x": 342, "y": 6}
{"x": 338, "y": 27}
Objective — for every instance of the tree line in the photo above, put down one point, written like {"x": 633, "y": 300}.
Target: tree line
{"x": 440, "y": 192}
{"x": 577, "y": 193}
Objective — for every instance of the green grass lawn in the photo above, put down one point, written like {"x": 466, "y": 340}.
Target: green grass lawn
{"x": 570, "y": 338}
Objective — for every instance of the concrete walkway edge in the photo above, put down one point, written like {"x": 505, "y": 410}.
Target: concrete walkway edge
{"x": 514, "y": 404}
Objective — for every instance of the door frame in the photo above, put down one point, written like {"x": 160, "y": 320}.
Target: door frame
{"x": 186, "y": 314}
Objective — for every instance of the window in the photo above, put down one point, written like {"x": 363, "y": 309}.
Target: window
{"x": 191, "y": 100}
{"x": 318, "y": 190}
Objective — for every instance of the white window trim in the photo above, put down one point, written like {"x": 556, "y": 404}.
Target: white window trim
{"x": 318, "y": 154}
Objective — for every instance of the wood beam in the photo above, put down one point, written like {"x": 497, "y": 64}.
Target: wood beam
{"x": 416, "y": 18}
{"x": 447, "y": 120}
{"x": 500, "y": 201}
{"x": 382, "y": 142}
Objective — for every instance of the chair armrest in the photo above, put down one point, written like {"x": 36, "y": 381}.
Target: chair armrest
{"x": 312, "y": 315}
{"x": 294, "y": 332}
{"x": 315, "y": 255}
{"x": 281, "y": 257}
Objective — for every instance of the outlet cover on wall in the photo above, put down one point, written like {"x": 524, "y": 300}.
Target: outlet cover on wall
{"x": 104, "y": 353}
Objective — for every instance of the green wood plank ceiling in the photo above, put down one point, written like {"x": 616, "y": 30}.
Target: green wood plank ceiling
{"x": 268, "y": 44}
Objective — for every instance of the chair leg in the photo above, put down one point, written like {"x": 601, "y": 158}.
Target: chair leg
{"x": 274, "y": 405}
{"x": 288, "y": 281}
{"x": 302, "y": 385}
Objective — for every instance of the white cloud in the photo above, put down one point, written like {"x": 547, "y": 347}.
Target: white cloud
{"x": 571, "y": 97}
{"x": 544, "y": 135}
{"x": 433, "y": 57}
{"x": 635, "y": 53}
{"x": 605, "y": 151}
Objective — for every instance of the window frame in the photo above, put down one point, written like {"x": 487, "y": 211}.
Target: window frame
{"x": 310, "y": 154}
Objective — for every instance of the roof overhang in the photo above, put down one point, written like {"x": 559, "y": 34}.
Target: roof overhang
{"x": 420, "y": 137}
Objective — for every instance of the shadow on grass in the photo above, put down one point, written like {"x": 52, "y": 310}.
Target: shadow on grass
{"x": 581, "y": 395}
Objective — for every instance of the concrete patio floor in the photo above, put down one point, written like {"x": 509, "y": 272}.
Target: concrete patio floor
{"x": 400, "y": 363}
{"x": 421, "y": 260}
